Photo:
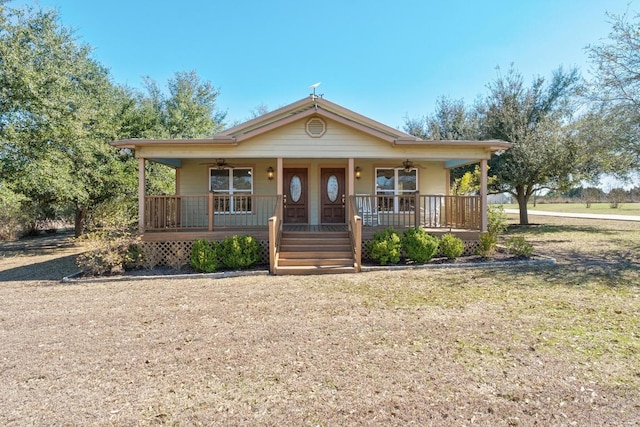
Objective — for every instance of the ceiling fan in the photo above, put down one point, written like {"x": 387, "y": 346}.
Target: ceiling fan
{"x": 407, "y": 165}
{"x": 219, "y": 164}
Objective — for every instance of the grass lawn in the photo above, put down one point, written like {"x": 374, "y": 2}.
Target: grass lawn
{"x": 549, "y": 345}
{"x": 596, "y": 208}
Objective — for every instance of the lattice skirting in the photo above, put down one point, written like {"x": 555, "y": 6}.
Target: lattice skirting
{"x": 176, "y": 254}
{"x": 470, "y": 247}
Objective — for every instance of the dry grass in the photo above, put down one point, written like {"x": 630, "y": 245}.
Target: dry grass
{"x": 556, "y": 345}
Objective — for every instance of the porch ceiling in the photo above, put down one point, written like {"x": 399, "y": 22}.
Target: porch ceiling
{"x": 448, "y": 163}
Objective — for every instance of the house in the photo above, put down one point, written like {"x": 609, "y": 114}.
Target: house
{"x": 312, "y": 181}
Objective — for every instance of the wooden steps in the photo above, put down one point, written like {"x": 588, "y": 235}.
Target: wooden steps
{"x": 315, "y": 253}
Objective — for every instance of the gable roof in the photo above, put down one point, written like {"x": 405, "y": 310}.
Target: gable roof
{"x": 313, "y": 106}
{"x": 307, "y": 107}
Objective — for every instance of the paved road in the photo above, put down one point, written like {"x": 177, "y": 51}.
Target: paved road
{"x": 579, "y": 215}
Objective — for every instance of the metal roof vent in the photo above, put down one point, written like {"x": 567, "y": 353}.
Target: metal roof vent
{"x": 316, "y": 127}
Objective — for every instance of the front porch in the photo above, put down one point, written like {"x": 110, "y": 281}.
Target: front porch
{"x": 214, "y": 217}
{"x": 199, "y": 215}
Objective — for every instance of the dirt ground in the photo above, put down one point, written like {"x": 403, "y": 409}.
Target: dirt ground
{"x": 544, "y": 345}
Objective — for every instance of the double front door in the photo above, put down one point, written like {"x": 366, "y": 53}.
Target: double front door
{"x": 332, "y": 195}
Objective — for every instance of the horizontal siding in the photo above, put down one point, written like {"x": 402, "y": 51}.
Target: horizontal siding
{"x": 292, "y": 141}
{"x": 194, "y": 175}
{"x": 431, "y": 175}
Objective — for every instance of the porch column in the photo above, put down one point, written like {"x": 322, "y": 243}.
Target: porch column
{"x": 483, "y": 195}
{"x": 280, "y": 182}
{"x": 141, "y": 193}
{"x": 351, "y": 185}
{"x": 447, "y": 180}
{"x": 279, "y": 177}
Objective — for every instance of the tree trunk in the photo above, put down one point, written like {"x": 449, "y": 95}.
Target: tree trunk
{"x": 522, "y": 205}
{"x": 81, "y": 214}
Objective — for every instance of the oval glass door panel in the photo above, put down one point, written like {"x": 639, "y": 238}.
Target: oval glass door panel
{"x": 332, "y": 188}
{"x": 295, "y": 188}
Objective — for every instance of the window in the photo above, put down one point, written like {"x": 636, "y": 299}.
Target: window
{"x": 232, "y": 188}
{"x": 392, "y": 182}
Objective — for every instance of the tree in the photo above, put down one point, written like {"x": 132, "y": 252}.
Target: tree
{"x": 188, "y": 111}
{"x": 616, "y": 89}
{"x": 452, "y": 120}
{"x": 56, "y": 112}
{"x": 547, "y": 152}
{"x": 260, "y": 110}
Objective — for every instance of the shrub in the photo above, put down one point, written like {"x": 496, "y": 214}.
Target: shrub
{"x": 133, "y": 257}
{"x": 11, "y": 214}
{"x": 385, "y": 247}
{"x": 496, "y": 221}
{"x": 496, "y": 225}
{"x": 452, "y": 247}
{"x": 109, "y": 246}
{"x": 418, "y": 245}
{"x": 518, "y": 246}
{"x": 204, "y": 256}
{"x": 487, "y": 246}
{"x": 106, "y": 253}
{"x": 240, "y": 251}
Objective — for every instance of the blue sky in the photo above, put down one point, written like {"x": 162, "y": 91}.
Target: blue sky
{"x": 384, "y": 59}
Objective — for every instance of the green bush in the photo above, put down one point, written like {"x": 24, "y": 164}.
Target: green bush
{"x": 385, "y": 247}
{"x": 452, "y": 247}
{"x": 133, "y": 257}
{"x": 418, "y": 245}
{"x": 496, "y": 221}
{"x": 518, "y": 246}
{"x": 496, "y": 225}
{"x": 240, "y": 251}
{"x": 487, "y": 246}
{"x": 204, "y": 256}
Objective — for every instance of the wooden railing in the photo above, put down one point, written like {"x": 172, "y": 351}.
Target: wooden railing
{"x": 275, "y": 233}
{"x": 207, "y": 211}
{"x": 355, "y": 231}
{"x": 410, "y": 210}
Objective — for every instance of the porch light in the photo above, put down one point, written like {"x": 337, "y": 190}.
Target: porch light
{"x": 358, "y": 172}
{"x": 270, "y": 173}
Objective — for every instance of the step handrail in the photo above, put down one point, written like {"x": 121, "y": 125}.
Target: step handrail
{"x": 275, "y": 235}
{"x": 355, "y": 232}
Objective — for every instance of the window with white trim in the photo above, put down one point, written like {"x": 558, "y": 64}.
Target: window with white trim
{"x": 232, "y": 188}
{"x": 392, "y": 182}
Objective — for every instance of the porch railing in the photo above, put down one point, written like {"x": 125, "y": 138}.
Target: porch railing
{"x": 425, "y": 210}
{"x": 354, "y": 221}
{"x": 207, "y": 211}
{"x": 275, "y": 234}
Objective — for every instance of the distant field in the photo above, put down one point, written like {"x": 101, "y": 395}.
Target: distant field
{"x": 596, "y": 208}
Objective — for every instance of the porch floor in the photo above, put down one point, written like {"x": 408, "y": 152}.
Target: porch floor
{"x": 262, "y": 233}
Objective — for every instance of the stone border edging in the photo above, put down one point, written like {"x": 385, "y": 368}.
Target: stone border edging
{"x": 221, "y": 275}
{"x": 544, "y": 260}
{"x": 76, "y": 277}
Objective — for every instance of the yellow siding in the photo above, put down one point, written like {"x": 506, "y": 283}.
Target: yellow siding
{"x": 194, "y": 175}
{"x": 431, "y": 176}
{"x": 291, "y": 141}
{"x": 297, "y": 149}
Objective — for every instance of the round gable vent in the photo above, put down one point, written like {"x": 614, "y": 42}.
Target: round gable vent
{"x": 316, "y": 127}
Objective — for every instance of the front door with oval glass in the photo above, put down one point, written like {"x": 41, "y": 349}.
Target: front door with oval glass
{"x": 295, "y": 196}
{"x": 332, "y": 193}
